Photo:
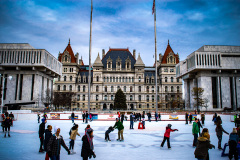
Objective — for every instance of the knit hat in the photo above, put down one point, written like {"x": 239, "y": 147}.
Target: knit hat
{"x": 56, "y": 128}
{"x": 234, "y": 130}
{"x": 43, "y": 120}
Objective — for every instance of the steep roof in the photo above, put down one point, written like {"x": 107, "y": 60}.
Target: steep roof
{"x": 167, "y": 52}
{"x": 98, "y": 61}
{"x": 114, "y": 54}
{"x": 139, "y": 61}
{"x": 70, "y": 51}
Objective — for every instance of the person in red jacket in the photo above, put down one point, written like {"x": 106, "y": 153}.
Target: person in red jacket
{"x": 167, "y": 135}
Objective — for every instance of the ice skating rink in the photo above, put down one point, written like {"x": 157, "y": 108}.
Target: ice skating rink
{"x": 139, "y": 144}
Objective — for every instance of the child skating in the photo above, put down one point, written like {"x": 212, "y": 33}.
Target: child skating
{"x": 167, "y": 135}
{"x": 110, "y": 129}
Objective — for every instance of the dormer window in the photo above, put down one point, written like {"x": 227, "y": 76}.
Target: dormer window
{"x": 109, "y": 63}
{"x": 128, "y": 64}
{"x": 118, "y": 64}
{"x": 171, "y": 59}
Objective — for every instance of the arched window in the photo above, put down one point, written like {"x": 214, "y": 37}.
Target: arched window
{"x": 165, "y": 79}
{"x": 58, "y": 87}
{"x": 178, "y": 89}
{"x": 147, "y": 88}
{"x": 119, "y": 79}
{"x": 97, "y": 88}
{"x": 109, "y": 64}
{"x": 70, "y": 88}
{"x": 84, "y": 88}
{"x": 118, "y": 87}
{"x": 104, "y": 79}
{"x": 171, "y": 79}
{"x": 78, "y": 88}
{"x": 107, "y": 79}
{"x": 131, "y": 97}
{"x": 116, "y": 79}
{"x": 126, "y": 79}
{"x": 105, "y": 88}
{"x": 110, "y": 79}
{"x": 70, "y": 78}
{"x": 83, "y": 97}
{"x": 171, "y": 88}
{"x": 128, "y": 65}
{"x": 152, "y": 89}
{"x": 177, "y": 79}
{"x": 65, "y": 78}
{"x": 111, "y": 88}
{"x": 59, "y": 78}
{"x": 152, "y": 98}
{"x": 139, "y": 98}
{"x": 113, "y": 79}
{"x": 139, "y": 89}
{"x": 125, "y": 89}
{"x": 130, "y": 88}
{"x": 147, "y": 98}
{"x": 66, "y": 58}
{"x": 139, "y": 79}
{"x": 105, "y": 97}
{"x": 132, "y": 79}
{"x": 123, "y": 79}
{"x": 97, "y": 78}
{"x": 64, "y": 87}
{"x": 166, "y": 88}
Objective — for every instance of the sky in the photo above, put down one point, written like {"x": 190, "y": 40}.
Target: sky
{"x": 187, "y": 24}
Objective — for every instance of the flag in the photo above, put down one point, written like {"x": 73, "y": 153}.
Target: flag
{"x": 153, "y": 7}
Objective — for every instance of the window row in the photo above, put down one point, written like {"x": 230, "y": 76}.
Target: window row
{"x": 118, "y": 79}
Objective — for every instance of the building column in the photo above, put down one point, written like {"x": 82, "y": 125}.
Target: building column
{"x": 234, "y": 93}
{"x": 219, "y": 92}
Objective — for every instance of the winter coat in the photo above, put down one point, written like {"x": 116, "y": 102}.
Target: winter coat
{"x": 11, "y": 115}
{"x": 74, "y": 134}
{"x": 199, "y": 125}
{"x": 86, "y": 115}
{"x": 186, "y": 116}
{"x": 118, "y": 125}
{"x": 202, "y": 117}
{"x": 48, "y": 135}
{"x": 131, "y": 117}
{"x": 54, "y": 145}
{"x": 41, "y": 129}
{"x": 168, "y": 131}
{"x": 110, "y": 129}
{"x": 72, "y": 115}
{"x": 234, "y": 137}
{"x": 83, "y": 115}
{"x": 7, "y": 122}
{"x": 202, "y": 148}
{"x": 190, "y": 118}
{"x": 195, "y": 128}
{"x": 86, "y": 150}
{"x": 219, "y": 130}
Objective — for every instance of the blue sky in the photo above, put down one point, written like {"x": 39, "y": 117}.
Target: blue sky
{"x": 188, "y": 24}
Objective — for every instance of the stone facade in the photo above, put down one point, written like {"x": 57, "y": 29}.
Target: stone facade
{"x": 216, "y": 69}
{"x": 119, "y": 68}
{"x": 32, "y": 71}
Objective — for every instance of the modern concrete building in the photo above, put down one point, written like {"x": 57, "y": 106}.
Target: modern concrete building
{"x": 216, "y": 69}
{"x": 32, "y": 71}
{"x": 119, "y": 68}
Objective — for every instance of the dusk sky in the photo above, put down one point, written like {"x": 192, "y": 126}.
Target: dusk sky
{"x": 188, "y": 24}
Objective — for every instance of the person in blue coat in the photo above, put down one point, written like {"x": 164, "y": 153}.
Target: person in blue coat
{"x": 233, "y": 141}
{"x": 131, "y": 120}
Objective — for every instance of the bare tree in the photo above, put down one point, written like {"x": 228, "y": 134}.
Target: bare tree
{"x": 197, "y": 93}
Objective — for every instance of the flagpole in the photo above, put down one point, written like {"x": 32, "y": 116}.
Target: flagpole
{"x": 155, "y": 31}
{"x": 89, "y": 68}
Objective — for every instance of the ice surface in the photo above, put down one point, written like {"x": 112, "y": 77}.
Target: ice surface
{"x": 139, "y": 144}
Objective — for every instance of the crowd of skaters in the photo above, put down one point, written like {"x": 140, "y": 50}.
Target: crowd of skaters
{"x": 7, "y": 122}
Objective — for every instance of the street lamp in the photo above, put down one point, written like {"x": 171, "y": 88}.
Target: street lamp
{"x": 3, "y": 82}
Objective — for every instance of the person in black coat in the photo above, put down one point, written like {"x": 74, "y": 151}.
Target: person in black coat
{"x": 83, "y": 116}
{"x": 87, "y": 145}
{"x": 7, "y": 124}
{"x": 190, "y": 119}
{"x": 41, "y": 133}
{"x": 110, "y": 129}
{"x": 48, "y": 135}
{"x": 186, "y": 117}
{"x": 122, "y": 117}
{"x": 72, "y": 117}
{"x": 86, "y": 116}
{"x": 199, "y": 126}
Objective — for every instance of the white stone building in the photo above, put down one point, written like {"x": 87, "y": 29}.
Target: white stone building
{"x": 119, "y": 68}
{"x": 216, "y": 69}
{"x": 32, "y": 71}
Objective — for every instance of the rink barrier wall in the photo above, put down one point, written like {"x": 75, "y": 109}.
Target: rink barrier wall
{"x": 112, "y": 117}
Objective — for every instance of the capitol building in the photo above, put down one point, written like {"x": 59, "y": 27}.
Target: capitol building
{"x": 120, "y": 69}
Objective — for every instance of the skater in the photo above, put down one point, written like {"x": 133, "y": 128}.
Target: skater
{"x": 215, "y": 119}
{"x": 83, "y": 116}
{"x": 143, "y": 120}
{"x": 87, "y": 145}
{"x": 41, "y": 133}
{"x": 90, "y": 117}
{"x": 120, "y": 128}
{"x": 74, "y": 133}
{"x": 190, "y": 118}
{"x": 218, "y": 120}
{"x": 199, "y": 126}
{"x": 55, "y": 143}
{"x": 72, "y": 117}
{"x": 149, "y": 117}
{"x": 2, "y": 124}
{"x": 203, "y": 118}
{"x": 12, "y": 118}
{"x": 219, "y": 132}
{"x": 119, "y": 116}
{"x": 110, "y": 129}
{"x": 186, "y": 117}
{"x": 45, "y": 115}
{"x": 38, "y": 117}
{"x": 131, "y": 121}
{"x": 7, "y": 124}
{"x": 88, "y": 126}
{"x": 167, "y": 135}
{"x": 86, "y": 116}
{"x": 233, "y": 141}
{"x": 122, "y": 118}
{"x": 203, "y": 145}
{"x": 48, "y": 135}
{"x": 159, "y": 116}
{"x": 156, "y": 117}
{"x": 195, "y": 132}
